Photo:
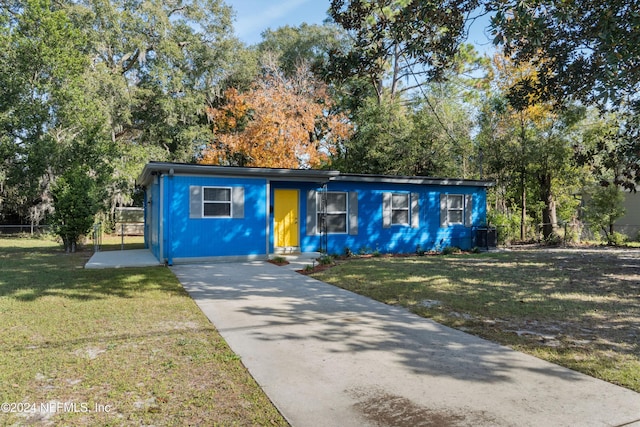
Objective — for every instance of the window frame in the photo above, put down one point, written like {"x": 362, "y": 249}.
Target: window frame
{"x": 404, "y": 209}
{"x": 217, "y": 202}
{"x": 461, "y": 209}
{"x": 319, "y": 212}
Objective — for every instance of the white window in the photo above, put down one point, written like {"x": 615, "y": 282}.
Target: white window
{"x": 455, "y": 209}
{"x": 216, "y": 202}
{"x": 332, "y": 208}
{"x": 400, "y": 209}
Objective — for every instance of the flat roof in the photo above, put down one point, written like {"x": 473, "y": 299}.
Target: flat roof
{"x": 310, "y": 175}
{"x": 300, "y": 175}
{"x": 421, "y": 180}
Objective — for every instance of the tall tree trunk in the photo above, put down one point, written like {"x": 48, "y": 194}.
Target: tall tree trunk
{"x": 395, "y": 78}
{"x": 523, "y": 180}
{"x": 523, "y": 216}
{"x": 549, "y": 219}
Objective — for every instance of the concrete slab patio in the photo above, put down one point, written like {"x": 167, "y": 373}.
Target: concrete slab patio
{"x": 120, "y": 259}
{"x": 328, "y": 357}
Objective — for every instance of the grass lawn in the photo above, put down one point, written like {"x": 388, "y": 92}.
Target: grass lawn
{"x": 112, "y": 347}
{"x": 576, "y": 308}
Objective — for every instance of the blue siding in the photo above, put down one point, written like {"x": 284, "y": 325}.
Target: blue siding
{"x": 212, "y": 237}
{"x": 400, "y": 239}
{"x": 170, "y": 232}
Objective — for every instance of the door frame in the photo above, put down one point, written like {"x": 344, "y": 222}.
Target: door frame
{"x": 296, "y": 231}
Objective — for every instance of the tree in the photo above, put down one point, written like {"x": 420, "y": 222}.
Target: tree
{"x": 604, "y": 206}
{"x": 586, "y": 50}
{"x": 42, "y": 66}
{"x": 308, "y": 44}
{"x": 396, "y": 41}
{"x": 76, "y": 201}
{"x": 156, "y": 65}
{"x": 609, "y": 146}
{"x": 379, "y": 141}
{"x": 527, "y": 144}
{"x": 113, "y": 83}
{"x": 281, "y": 122}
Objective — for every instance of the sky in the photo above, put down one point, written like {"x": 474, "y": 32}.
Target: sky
{"x": 255, "y": 16}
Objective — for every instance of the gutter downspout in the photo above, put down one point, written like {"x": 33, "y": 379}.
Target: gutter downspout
{"x": 268, "y": 217}
{"x": 169, "y": 239}
{"x": 161, "y": 220}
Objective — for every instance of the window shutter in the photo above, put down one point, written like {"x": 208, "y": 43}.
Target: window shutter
{"x": 237, "y": 202}
{"x": 386, "y": 210}
{"x": 312, "y": 217}
{"x": 443, "y": 211}
{"x": 195, "y": 201}
{"x": 468, "y": 210}
{"x": 415, "y": 210}
{"x": 353, "y": 213}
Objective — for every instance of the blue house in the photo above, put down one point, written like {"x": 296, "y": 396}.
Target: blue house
{"x": 201, "y": 212}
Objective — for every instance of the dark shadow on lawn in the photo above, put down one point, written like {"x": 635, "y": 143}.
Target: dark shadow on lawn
{"x": 36, "y": 272}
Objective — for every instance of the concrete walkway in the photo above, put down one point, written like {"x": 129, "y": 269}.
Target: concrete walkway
{"x": 119, "y": 259}
{"x": 328, "y": 357}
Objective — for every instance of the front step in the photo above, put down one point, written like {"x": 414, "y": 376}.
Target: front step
{"x": 285, "y": 250}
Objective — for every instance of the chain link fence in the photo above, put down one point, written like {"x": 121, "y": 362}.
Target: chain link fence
{"x": 10, "y": 229}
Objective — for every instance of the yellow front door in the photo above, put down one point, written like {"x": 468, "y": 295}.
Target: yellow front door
{"x": 285, "y": 216}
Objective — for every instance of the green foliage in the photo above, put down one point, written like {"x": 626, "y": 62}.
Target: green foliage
{"x": 376, "y": 146}
{"x": 507, "y": 225}
{"x": 604, "y": 205}
{"x": 450, "y": 250}
{"x": 617, "y": 239}
{"x": 423, "y": 138}
{"x": 76, "y": 201}
{"x": 304, "y": 44}
{"x": 528, "y": 148}
{"x": 609, "y": 147}
{"x": 390, "y": 37}
{"x": 326, "y": 260}
{"x": 585, "y": 49}
{"x": 111, "y": 83}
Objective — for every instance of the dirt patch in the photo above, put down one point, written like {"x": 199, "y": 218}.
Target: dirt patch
{"x": 385, "y": 409}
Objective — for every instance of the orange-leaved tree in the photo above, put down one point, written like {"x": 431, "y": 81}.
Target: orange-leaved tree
{"x": 281, "y": 122}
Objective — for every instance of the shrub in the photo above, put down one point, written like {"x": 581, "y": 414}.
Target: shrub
{"x": 325, "y": 260}
{"x": 364, "y": 250}
{"x": 75, "y": 200}
{"x": 449, "y": 250}
{"x": 617, "y": 239}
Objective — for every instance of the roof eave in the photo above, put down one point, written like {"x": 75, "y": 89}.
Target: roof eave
{"x": 155, "y": 168}
{"x": 416, "y": 180}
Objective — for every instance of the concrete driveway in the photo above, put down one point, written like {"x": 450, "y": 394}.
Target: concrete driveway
{"x": 328, "y": 357}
